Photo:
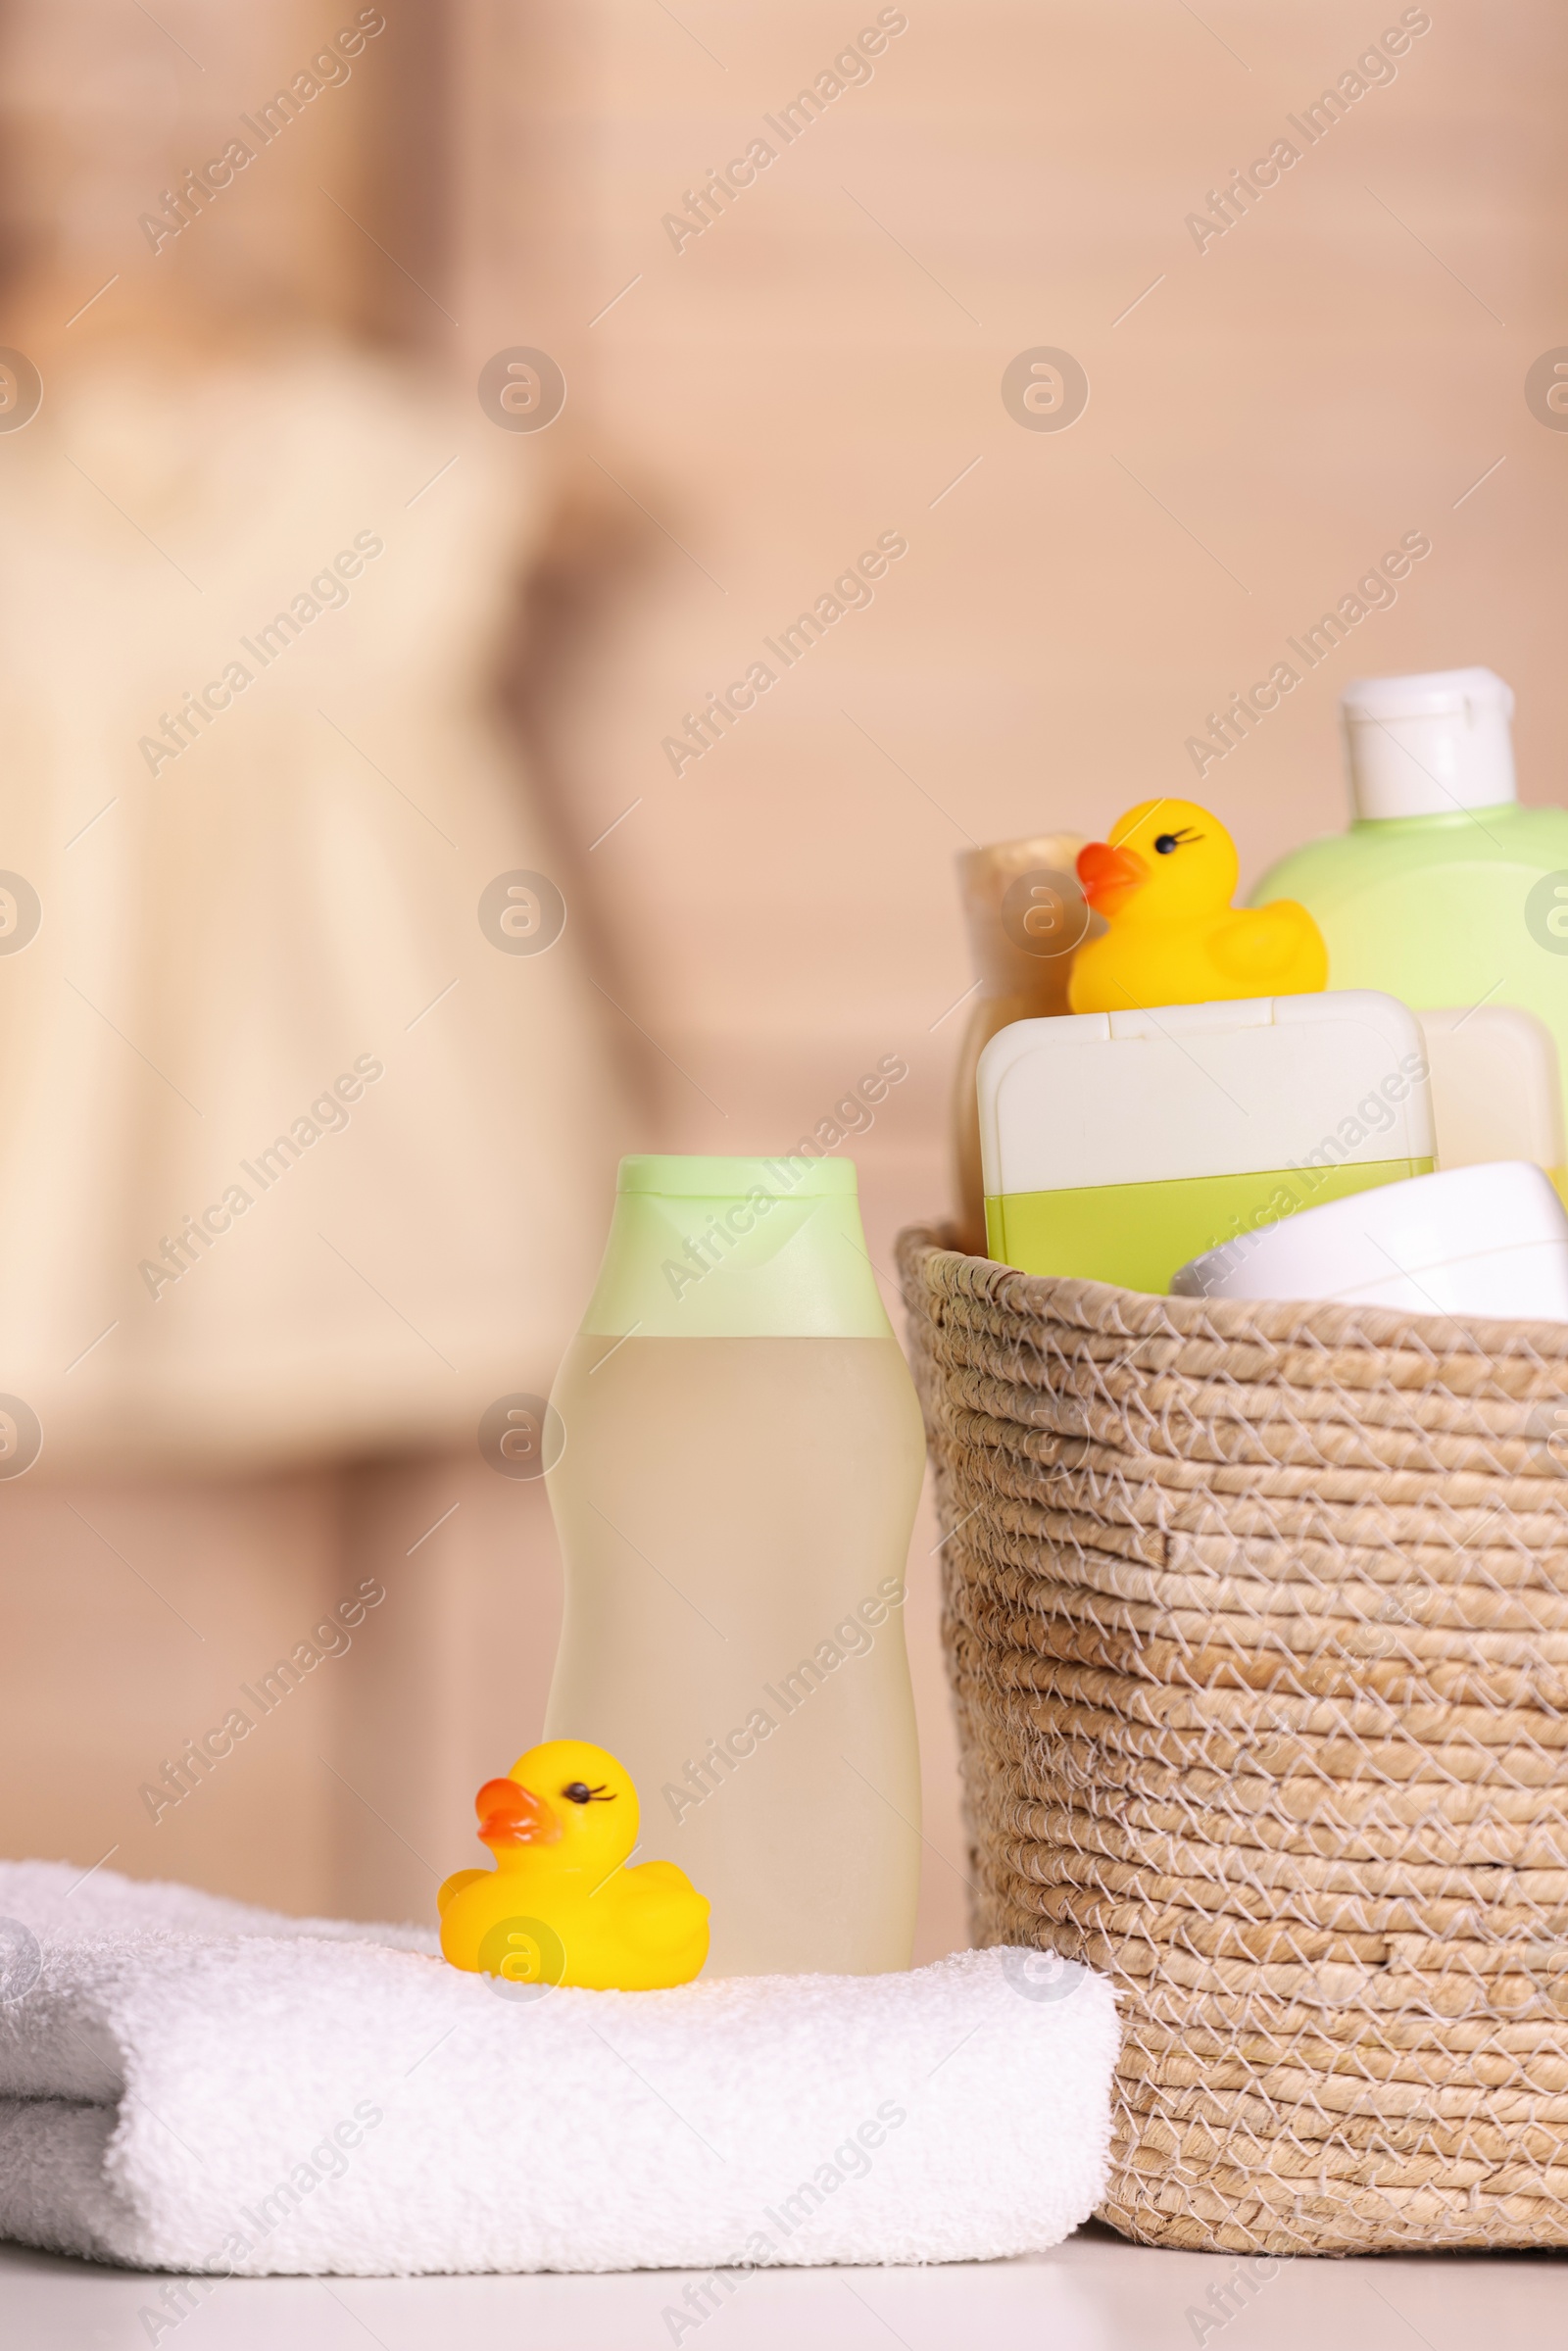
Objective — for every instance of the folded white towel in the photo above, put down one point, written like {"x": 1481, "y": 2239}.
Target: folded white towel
{"x": 188, "y": 2084}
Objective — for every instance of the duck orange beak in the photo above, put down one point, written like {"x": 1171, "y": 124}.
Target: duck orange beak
{"x": 1109, "y": 877}
{"x": 510, "y": 1815}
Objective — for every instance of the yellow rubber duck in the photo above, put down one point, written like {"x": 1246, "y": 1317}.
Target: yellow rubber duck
{"x": 1164, "y": 882}
{"x": 561, "y": 1907}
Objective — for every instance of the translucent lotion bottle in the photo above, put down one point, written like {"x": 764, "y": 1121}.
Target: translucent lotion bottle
{"x": 737, "y": 1461}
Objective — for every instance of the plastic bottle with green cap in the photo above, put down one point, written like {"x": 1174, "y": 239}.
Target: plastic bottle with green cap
{"x": 734, "y": 1459}
{"x": 1447, "y": 893}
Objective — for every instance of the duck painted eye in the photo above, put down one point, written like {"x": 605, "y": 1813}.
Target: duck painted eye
{"x": 1166, "y": 842}
{"x": 578, "y": 1791}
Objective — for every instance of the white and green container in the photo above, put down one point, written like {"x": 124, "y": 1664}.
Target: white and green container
{"x": 1118, "y": 1146}
{"x": 736, "y": 1470}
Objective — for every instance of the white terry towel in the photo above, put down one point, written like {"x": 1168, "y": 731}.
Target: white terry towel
{"x": 188, "y": 2084}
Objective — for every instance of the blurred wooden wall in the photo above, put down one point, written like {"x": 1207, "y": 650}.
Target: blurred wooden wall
{"x": 821, "y": 365}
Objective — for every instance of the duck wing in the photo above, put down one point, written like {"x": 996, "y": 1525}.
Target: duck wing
{"x": 659, "y": 1908}
{"x": 1264, "y": 943}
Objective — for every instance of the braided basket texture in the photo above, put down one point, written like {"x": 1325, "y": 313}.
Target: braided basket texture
{"x": 1256, "y": 1618}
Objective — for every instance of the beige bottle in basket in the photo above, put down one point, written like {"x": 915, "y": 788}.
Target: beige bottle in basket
{"x": 1025, "y": 915}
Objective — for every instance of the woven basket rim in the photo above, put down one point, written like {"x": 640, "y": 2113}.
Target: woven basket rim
{"x": 1102, "y": 1310}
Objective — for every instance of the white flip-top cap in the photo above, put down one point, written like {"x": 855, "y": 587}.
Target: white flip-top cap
{"x": 1429, "y": 745}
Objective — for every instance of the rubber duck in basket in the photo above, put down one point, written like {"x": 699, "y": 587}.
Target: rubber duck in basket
{"x": 1164, "y": 881}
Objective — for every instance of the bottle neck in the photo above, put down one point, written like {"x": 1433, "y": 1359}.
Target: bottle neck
{"x": 1452, "y": 821}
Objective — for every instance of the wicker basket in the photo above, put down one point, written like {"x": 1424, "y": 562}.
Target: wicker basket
{"x": 1257, "y": 1622}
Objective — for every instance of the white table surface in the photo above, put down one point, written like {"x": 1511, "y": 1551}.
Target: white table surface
{"x": 1094, "y": 2293}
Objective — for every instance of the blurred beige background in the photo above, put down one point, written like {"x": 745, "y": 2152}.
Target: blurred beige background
{"x": 822, "y": 364}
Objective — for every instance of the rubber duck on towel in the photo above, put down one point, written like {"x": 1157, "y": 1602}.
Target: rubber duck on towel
{"x": 561, "y": 1907}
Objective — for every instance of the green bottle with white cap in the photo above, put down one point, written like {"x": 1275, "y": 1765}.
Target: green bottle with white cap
{"x": 734, "y": 1459}
{"x": 1444, "y": 892}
